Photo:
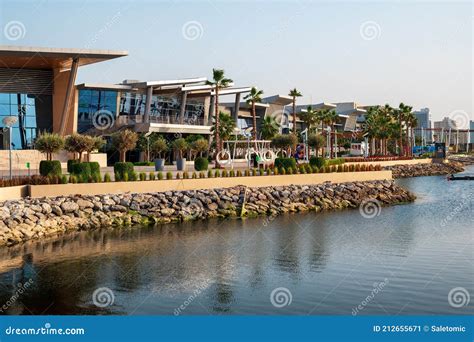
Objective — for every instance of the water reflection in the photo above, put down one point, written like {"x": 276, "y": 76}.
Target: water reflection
{"x": 329, "y": 261}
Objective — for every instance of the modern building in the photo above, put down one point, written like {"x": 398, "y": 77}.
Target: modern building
{"x": 37, "y": 87}
{"x": 424, "y": 127}
{"x": 448, "y": 131}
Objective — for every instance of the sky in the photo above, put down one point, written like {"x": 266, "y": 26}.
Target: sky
{"x": 416, "y": 52}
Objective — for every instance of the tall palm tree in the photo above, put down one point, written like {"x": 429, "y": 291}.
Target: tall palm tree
{"x": 403, "y": 112}
{"x": 252, "y": 98}
{"x": 294, "y": 93}
{"x": 270, "y": 128}
{"x": 412, "y": 121}
{"x": 329, "y": 118}
{"x": 310, "y": 117}
{"x": 218, "y": 82}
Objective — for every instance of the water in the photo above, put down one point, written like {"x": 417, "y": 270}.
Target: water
{"x": 403, "y": 261}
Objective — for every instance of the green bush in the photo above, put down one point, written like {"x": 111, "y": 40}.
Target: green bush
{"x": 185, "y": 175}
{"x": 335, "y": 161}
{"x": 224, "y": 173}
{"x": 70, "y": 162}
{"x": 151, "y": 176}
{"x": 239, "y": 173}
{"x": 178, "y": 175}
{"x": 308, "y": 168}
{"x": 247, "y": 173}
{"x": 232, "y": 173}
{"x": 160, "y": 175}
{"x": 95, "y": 168}
{"x": 117, "y": 177}
{"x": 282, "y": 171}
{"x": 202, "y": 175}
{"x": 289, "y": 171}
{"x": 50, "y": 168}
{"x": 285, "y": 162}
{"x": 82, "y": 171}
{"x": 72, "y": 179}
{"x": 142, "y": 176}
{"x": 209, "y": 174}
{"x": 275, "y": 171}
{"x": 254, "y": 172}
{"x": 201, "y": 164}
{"x": 123, "y": 168}
{"x": 133, "y": 176}
{"x": 315, "y": 169}
{"x": 319, "y": 162}
{"x": 261, "y": 172}
{"x": 169, "y": 175}
{"x": 125, "y": 177}
{"x": 194, "y": 175}
{"x": 144, "y": 164}
{"x": 217, "y": 174}
{"x": 64, "y": 179}
{"x": 107, "y": 178}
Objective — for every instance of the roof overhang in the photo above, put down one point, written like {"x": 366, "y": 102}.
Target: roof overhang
{"x": 104, "y": 86}
{"x": 230, "y": 91}
{"x": 163, "y": 83}
{"x": 278, "y": 99}
{"x": 27, "y": 57}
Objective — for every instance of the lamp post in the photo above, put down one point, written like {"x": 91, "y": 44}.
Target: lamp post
{"x": 9, "y": 121}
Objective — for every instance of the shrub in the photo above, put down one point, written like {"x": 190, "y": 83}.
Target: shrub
{"x": 107, "y": 178}
{"x": 169, "y": 175}
{"x": 70, "y": 162}
{"x": 151, "y": 176}
{"x": 49, "y": 143}
{"x": 117, "y": 177}
{"x": 122, "y": 169}
{"x": 50, "y": 168}
{"x": 301, "y": 169}
{"x": 178, "y": 176}
{"x": 64, "y": 179}
{"x": 224, "y": 173}
{"x": 378, "y": 167}
{"x": 133, "y": 176}
{"x": 159, "y": 147}
{"x": 125, "y": 177}
{"x": 185, "y": 175}
{"x": 282, "y": 171}
{"x": 231, "y": 173}
{"x": 194, "y": 175}
{"x": 202, "y": 175}
{"x": 217, "y": 173}
{"x": 363, "y": 167}
{"x": 351, "y": 168}
{"x": 339, "y": 168}
{"x": 261, "y": 172}
{"x": 142, "y": 176}
{"x": 308, "y": 168}
{"x": 144, "y": 164}
{"x": 97, "y": 178}
{"x": 357, "y": 168}
{"x": 239, "y": 173}
{"x": 315, "y": 169}
{"x": 247, "y": 173}
{"x": 275, "y": 171}
{"x": 371, "y": 167}
{"x": 289, "y": 171}
{"x": 72, "y": 179}
{"x": 285, "y": 162}
{"x": 201, "y": 164}
{"x": 95, "y": 168}
{"x": 319, "y": 162}
{"x": 335, "y": 161}
{"x": 254, "y": 172}
{"x": 124, "y": 141}
{"x": 160, "y": 176}
{"x": 180, "y": 145}
{"x": 209, "y": 174}
{"x": 82, "y": 171}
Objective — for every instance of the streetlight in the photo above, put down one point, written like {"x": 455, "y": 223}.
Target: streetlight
{"x": 9, "y": 121}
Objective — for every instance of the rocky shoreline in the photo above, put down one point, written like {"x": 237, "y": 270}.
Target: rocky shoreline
{"x": 418, "y": 170}
{"x": 35, "y": 218}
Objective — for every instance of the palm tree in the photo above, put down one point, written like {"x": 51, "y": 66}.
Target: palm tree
{"x": 254, "y": 97}
{"x": 329, "y": 118}
{"x": 294, "y": 93}
{"x": 411, "y": 121}
{"x": 218, "y": 82}
{"x": 227, "y": 126}
{"x": 310, "y": 117}
{"x": 270, "y": 128}
{"x": 403, "y": 113}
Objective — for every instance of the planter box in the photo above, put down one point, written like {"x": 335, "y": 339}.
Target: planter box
{"x": 13, "y": 192}
{"x": 204, "y": 183}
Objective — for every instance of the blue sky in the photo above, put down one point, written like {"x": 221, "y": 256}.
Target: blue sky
{"x": 416, "y": 52}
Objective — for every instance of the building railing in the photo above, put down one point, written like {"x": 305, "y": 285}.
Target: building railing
{"x": 138, "y": 119}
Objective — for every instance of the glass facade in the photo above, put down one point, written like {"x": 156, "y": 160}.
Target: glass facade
{"x": 90, "y": 102}
{"x": 33, "y": 113}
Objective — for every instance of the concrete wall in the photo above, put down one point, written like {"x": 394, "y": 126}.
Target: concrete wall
{"x": 14, "y": 192}
{"x": 21, "y": 157}
{"x": 395, "y": 162}
{"x": 205, "y": 183}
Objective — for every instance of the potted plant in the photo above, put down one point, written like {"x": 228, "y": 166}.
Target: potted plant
{"x": 158, "y": 148}
{"x": 180, "y": 146}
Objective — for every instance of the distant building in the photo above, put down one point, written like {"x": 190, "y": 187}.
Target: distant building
{"x": 448, "y": 129}
{"x": 423, "y": 117}
{"x": 471, "y": 133}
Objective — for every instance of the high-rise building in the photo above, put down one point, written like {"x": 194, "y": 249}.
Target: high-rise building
{"x": 423, "y": 127}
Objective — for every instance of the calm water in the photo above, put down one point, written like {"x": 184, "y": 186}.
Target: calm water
{"x": 413, "y": 254}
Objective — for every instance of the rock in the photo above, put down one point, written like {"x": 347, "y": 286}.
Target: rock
{"x": 69, "y": 207}
{"x": 84, "y": 204}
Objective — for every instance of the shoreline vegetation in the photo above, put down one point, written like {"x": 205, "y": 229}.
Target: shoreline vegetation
{"x": 28, "y": 219}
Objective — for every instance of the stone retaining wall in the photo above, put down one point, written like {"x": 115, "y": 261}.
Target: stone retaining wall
{"x": 31, "y": 218}
{"x": 435, "y": 169}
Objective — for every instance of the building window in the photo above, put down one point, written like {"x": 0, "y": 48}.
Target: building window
{"x": 33, "y": 113}
{"x": 92, "y": 101}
